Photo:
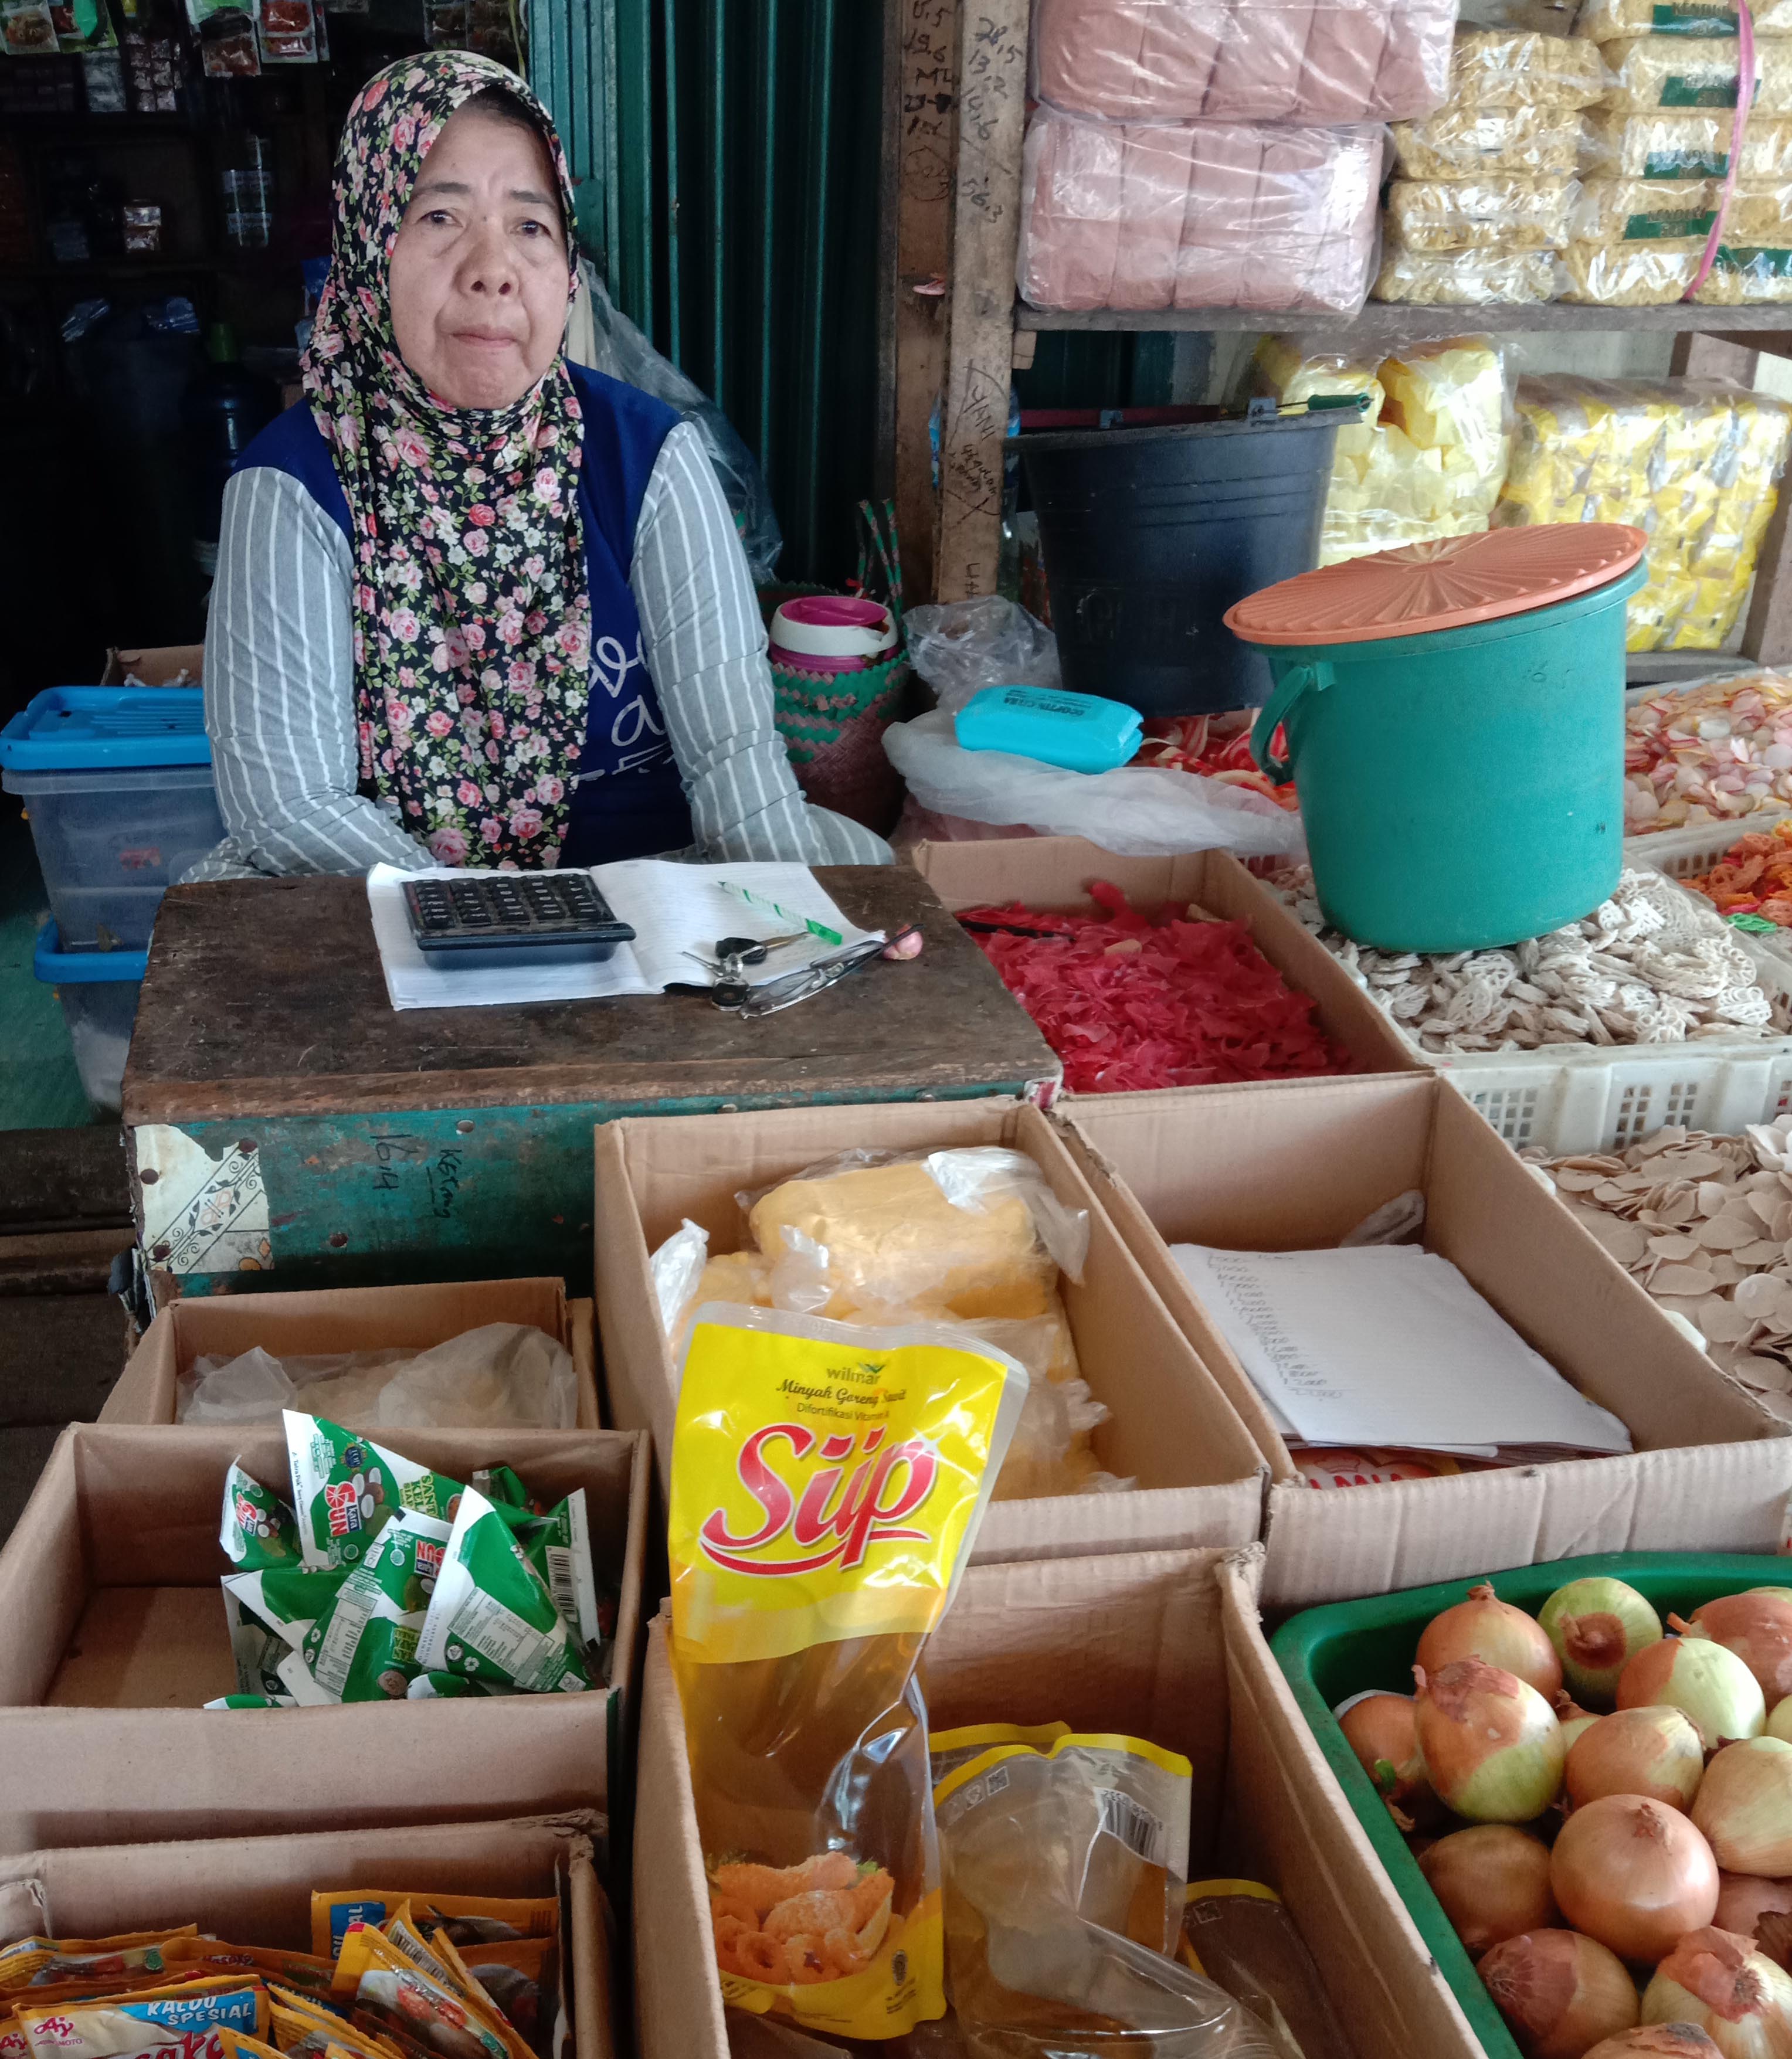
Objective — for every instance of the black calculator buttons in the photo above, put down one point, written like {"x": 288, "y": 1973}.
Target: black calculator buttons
{"x": 518, "y": 914}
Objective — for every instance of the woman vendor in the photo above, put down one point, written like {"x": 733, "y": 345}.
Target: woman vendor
{"x": 476, "y": 605}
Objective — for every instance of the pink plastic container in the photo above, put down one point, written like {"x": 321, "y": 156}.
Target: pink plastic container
{"x": 827, "y": 632}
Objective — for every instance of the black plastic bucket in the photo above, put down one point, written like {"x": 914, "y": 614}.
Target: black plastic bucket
{"x": 1150, "y": 534}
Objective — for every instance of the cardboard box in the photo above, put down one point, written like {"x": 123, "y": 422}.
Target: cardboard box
{"x": 1297, "y": 1169}
{"x": 160, "y": 665}
{"x": 257, "y": 1890}
{"x": 115, "y": 1637}
{"x": 1160, "y": 1644}
{"x": 1055, "y": 873}
{"x": 343, "y": 1319}
{"x": 1200, "y": 1475}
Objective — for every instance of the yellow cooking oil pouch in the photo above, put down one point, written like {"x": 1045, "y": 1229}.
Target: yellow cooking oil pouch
{"x": 50, "y": 1961}
{"x": 949, "y": 1749}
{"x": 148, "y": 2024}
{"x": 827, "y": 1484}
{"x": 473, "y": 1919}
{"x": 390, "y": 1993}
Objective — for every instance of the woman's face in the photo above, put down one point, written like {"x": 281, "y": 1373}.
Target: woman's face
{"x": 478, "y": 270}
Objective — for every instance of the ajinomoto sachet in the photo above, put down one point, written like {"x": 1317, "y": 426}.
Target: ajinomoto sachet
{"x": 827, "y": 1482}
{"x": 144, "y": 2025}
{"x": 438, "y": 1958}
{"x": 302, "y": 1971}
{"x": 49, "y": 1962}
{"x": 419, "y": 2010}
{"x": 473, "y": 1919}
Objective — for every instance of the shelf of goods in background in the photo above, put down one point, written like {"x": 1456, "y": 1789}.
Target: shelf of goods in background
{"x": 1185, "y": 154}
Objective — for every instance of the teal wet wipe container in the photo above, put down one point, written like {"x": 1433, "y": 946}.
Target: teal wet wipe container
{"x": 1079, "y": 732}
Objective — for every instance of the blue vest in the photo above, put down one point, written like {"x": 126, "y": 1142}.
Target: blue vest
{"x": 629, "y": 801}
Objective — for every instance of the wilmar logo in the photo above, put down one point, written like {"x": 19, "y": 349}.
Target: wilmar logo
{"x": 832, "y": 1516}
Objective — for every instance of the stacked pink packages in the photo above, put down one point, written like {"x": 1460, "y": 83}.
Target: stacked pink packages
{"x": 1200, "y": 214}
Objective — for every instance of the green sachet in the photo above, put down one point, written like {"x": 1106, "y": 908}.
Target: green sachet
{"x": 258, "y": 1529}
{"x": 559, "y": 1546}
{"x": 346, "y": 1487}
{"x": 363, "y": 1646}
{"x": 493, "y": 1615}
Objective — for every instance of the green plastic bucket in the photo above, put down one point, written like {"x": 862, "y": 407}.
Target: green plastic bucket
{"x": 1461, "y": 788}
{"x": 1328, "y": 1654}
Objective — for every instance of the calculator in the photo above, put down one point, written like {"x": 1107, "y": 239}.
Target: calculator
{"x": 513, "y": 919}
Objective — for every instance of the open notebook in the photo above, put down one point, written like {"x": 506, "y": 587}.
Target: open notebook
{"x": 1389, "y": 1346}
{"x": 671, "y": 908}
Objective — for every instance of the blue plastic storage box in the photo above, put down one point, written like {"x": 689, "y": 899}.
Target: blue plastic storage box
{"x": 118, "y": 783}
{"x": 98, "y": 992}
{"x": 1078, "y": 732}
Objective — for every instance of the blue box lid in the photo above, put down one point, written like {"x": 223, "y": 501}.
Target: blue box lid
{"x": 74, "y": 729}
{"x": 57, "y": 967}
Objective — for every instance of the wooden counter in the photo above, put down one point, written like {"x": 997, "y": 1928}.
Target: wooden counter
{"x": 287, "y": 1128}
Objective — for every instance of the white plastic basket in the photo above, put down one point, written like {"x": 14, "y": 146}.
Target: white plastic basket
{"x": 1697, "y": 846}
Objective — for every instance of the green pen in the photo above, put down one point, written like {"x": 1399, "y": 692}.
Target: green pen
{"x": 771, "y": 907}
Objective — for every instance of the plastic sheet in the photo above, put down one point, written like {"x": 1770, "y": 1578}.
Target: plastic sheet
{"x": 1644, "y": 274}
{"x": 1678, "y": 73}
{"x": 1311, "y": 61}
{"x": 1680, "y": 146}
{"x": 1136, "y": 812}
{"x": 1466, "y": 278}
{"x": 1211, "y": 214}
{"x": 1430, "y": 459}
{"x": 1510, "y": 211}
{"x": 1507, "y": 68}
{"x": 1692, "y": 463}
{"x": 1606, "y": 20}
{"x": 500, "y": 1374}
{"x": 959, "y": 647}
{"x": 1467, "y": 142}
{"x": 1651, "y": 210}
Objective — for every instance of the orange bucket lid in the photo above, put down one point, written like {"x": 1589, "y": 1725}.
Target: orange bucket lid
{"x": 1446, "y": 584}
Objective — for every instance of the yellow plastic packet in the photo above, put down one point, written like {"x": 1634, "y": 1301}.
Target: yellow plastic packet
{"x": 419, "y": 2009}
{"x": 442, "y": 1948}
{"x": 42, "y": 1961}
{"x": 234, "y": 2045}
{"x": 949, "y": 1749}
{"x": 438, "y": 1959}
{"x": 827, "y": 1482}
{"x": 515, "y": 1976}
{"x": 473, "y": 1918}
{"x": 303, "y": 2025}
{"x": 144, "y": 2025}
{"x": 305, "y": 1972}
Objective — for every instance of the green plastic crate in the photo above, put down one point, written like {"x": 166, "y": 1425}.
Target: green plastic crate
{"x": 1331, "y": 1653}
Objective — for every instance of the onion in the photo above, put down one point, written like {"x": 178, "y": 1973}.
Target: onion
{"x": 1493, "y": 1883}
{"x": 1744, "y": 1806}
{"x": 1750, "y": 1907}
{"x": 1633, "y": 1875}
{"x": 1779, "y": 1721}
{"x": 1559, "y": 1992}
{"x": 1378, "y": 1728}
{"x": 1742, "y": 2000}
{"x": 1666, "y": 2040}
{"x": 1758, "y": 1627}
{"x": 1653, "y": 1752}
{"x": 1597, "y": 1626}
{"x": 1486, "y": 1628}
{"x": 1492, "y": 1747}
{"x": 1574, "y": 1720}
{"x": 1710, "y": 1683}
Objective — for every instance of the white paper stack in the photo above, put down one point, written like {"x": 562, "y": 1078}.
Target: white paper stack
{"x": 1389, "y": 1346}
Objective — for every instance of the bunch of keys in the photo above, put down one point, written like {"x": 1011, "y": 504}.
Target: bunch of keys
{"x": 732, "y": 993}
{"x": 733, "y": 955}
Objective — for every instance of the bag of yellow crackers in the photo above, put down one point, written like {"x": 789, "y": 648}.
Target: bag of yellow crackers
{"x": 827, "y": 1484}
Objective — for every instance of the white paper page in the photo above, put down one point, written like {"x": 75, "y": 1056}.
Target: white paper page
{"x": 412, "y": 981}
{"x": 1391, "y": 1346}
{"x": 673, "y": 908}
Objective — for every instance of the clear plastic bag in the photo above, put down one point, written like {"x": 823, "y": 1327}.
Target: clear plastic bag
{"x": 1678, "y": 72}
{"x": 1467, "y": 278}
{"x": 1524, "y": 68}
{"x": 1311, "y": 61}
{"x": 1216, "y": 214}
{"x": 1508, "y": 211}
{"x": 1630, "y": 275}
{"x": 959, "y": 647}
{"x": 1064, "y": 1869}
{"x": 599, "y": 336}
{"x": 1648, "y": 210}
{"x": 500, "y": 1374}
{"x": 1606, "y": 21}
{"x": 1468, "y": 142}
{"x": 1136, "y": 811}
{"x": 1680, "y": 146}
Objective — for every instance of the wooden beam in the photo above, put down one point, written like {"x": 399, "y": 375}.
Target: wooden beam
{"x": 922, "y": 114}
{"x": 1700, "y": 355}
{"x": 980, "y": 297}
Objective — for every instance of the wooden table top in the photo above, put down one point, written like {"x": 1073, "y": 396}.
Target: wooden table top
{"x": 266, "y": 998}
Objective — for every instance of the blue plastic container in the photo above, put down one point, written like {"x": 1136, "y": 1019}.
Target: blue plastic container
{"x": 117, "y": 782}
{"x": 98, "y": 991}
{"x": 1080, "y": 732}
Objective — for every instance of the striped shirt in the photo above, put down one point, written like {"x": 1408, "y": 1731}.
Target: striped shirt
{"x": 279, "y": 687}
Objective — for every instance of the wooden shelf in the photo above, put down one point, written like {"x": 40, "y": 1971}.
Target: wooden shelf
{"x": 1384, "y": 321}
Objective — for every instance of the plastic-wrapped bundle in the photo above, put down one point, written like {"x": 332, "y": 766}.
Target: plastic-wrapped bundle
{"x": 1429, "y": 460}
{"x": 1675, "y": 73}
{"x": 1471, "y": 142}
{"x": 1495, "y": 211}
{"x": 1306, "y": 60}
{"x": 1466, "y": 278}
{"x": 1692, "y": 463}
{"x": 1745, "y": 276}
{"x": 1679, "y": 145}
{"x": 1503, "y": 68}
{"x": 1606, "y": 20}
{"x": 1649, "y": 210}
{"x": 1645, "y": 274}
{"x": 1197, "y": 214}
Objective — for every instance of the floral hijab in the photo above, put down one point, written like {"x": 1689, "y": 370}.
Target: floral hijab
{"x": 471, "y": 604}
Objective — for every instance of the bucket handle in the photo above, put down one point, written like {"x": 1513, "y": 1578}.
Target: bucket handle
{"x": 1294, "y": 683}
